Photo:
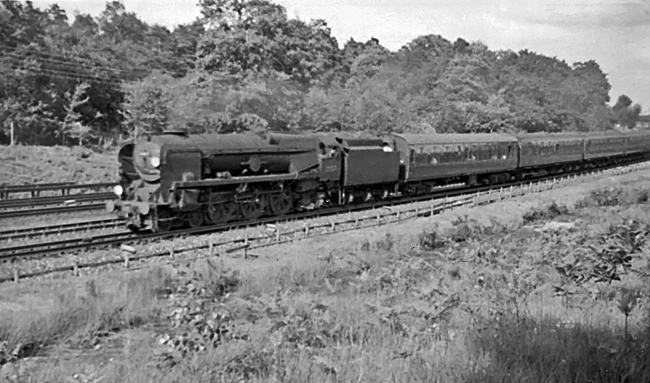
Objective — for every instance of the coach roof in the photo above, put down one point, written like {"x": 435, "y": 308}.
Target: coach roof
{"x": 454, "y": 138}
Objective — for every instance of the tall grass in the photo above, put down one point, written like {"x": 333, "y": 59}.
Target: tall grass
{"x": 84, "y": 313}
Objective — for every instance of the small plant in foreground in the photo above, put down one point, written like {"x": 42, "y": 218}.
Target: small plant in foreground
{"x": 549, "y": 212}
{"x": 628, "y": 300}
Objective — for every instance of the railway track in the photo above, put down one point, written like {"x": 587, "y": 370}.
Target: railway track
{"x": 52, "y": 210}
{"x": 42, "y": 205}
{"x": 54, "y": 200}
{"x": 116, "y": 239}
{"x": 64, "y": 188}
{"x": 38, "y": 231}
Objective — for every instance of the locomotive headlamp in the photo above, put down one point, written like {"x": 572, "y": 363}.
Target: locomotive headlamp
{"x": 118, "y": 190}
{"x": 155, "y": 161}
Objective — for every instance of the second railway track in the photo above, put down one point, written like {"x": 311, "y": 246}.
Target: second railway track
{"x": 54, "y": 200}
{"x": 52, "y": 204}
{"x": 72, "y": 227}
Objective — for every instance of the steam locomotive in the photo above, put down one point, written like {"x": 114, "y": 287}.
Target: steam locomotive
{"x": 176, "y": 179}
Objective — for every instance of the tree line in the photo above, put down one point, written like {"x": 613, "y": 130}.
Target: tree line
{"x": 245, "y": 65}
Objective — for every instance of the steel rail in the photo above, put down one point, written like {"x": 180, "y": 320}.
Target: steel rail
{"x": 64, "y": 187}
{"x": 51, "y": 210}
{"x": 36, "y": 249}
{"x": 29, "y": 232}
{"x": 26, "y": 251}
{"x": 52, "y": 200}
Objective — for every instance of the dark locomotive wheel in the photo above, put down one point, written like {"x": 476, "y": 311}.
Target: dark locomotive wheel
{"x": 164, "y": 221}
{"x": 194, "y": 219}
{"x": 251, "y": 208}
{"x": 221, "y": 213}
{"x": 281, "y": 203}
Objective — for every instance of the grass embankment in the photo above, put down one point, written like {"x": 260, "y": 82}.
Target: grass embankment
{"x": 49, "y": 164}
{"x": 560, "y": 296}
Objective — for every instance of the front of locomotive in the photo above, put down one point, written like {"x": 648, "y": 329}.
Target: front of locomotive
{"x": 137, "y": 202}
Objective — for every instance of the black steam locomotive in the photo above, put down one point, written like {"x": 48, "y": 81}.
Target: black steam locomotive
{"x": 176, "y": 179}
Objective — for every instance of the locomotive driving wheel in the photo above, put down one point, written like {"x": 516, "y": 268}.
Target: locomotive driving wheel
{"x": 164, "y": 221}
{"x": 280, "y": 203}
{"x": 221, "y": 213}
{"x": 251, "y": 208}
{"x": 194, "y": 219}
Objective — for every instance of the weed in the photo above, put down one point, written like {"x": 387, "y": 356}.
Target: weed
{"x": 549, "y": 212}
{"x": 430, "y": 240}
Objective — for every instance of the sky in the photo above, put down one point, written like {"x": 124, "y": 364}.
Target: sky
{"x": 614, "y": 33}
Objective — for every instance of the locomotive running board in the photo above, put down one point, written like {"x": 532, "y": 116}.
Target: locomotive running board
{"x": 182, "y": 185}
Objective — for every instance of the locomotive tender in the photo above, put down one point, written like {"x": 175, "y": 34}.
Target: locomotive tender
{"x": 176, "y": 179}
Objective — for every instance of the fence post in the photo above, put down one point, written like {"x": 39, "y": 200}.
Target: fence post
{"x": 476, "y": 199}
{"x": 16, "y": 275}
{"x": 75, "y": 267}
{"x": 417, "y": 211}
{"x": 210, "y": 246}
{"x": 126, "y": 250}
{"x": 277, "y": 234}
{"x": 245, "y": 245}
{"x": 500, "y": 193}
{"x": 307, "y": 230}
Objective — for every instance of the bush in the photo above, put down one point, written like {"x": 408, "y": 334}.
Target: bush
{"x": 549, "y": 212}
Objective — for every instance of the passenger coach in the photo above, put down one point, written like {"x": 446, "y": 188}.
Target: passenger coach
{"x": 439, "y": 159}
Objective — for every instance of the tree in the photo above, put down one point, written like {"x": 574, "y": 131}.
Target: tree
{"x": 72, "y": 125}
{"x": 625, "y": 113}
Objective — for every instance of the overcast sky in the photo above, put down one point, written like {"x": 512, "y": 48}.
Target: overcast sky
{"x": 615, "y": 33}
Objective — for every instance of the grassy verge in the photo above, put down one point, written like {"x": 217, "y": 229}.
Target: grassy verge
{"x": 81, "y": 317}
{"x": 560, "y": 297}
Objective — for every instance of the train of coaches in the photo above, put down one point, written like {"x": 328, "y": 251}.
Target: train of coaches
{"x": 176, "y": 179}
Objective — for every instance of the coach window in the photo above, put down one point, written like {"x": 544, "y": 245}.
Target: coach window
{"x": 412, "y": 156}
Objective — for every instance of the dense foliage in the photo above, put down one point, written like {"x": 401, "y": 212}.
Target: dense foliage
{"x": 246, "y": 65}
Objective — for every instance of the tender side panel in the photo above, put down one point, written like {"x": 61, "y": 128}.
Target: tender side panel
{"x": 369, "y": 166}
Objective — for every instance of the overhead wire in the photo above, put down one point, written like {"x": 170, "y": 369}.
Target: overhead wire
{"x": 71, "y": 63}
{"x": 80, "y": 61}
